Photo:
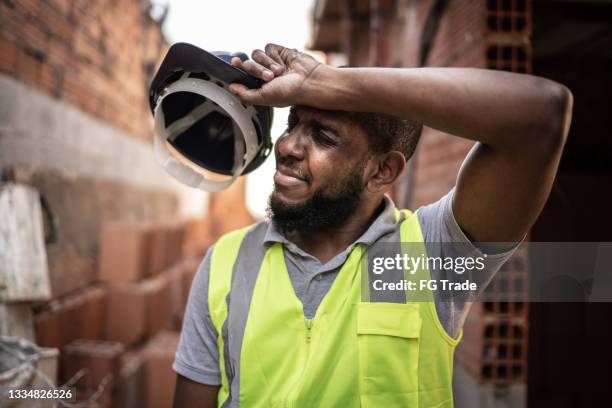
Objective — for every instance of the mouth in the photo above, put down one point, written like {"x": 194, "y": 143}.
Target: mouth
{"x": 289, "y": 178}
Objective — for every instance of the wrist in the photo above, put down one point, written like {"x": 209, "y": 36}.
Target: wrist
{"x": 319, "y": 87}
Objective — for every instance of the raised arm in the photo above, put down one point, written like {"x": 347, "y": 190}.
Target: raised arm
{"x": 519, "y": 121}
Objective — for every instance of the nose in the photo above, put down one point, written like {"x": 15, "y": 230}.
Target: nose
{"x": 290, "y": 146}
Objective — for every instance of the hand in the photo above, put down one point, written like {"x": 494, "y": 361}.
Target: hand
{"x": 285, "y": 72}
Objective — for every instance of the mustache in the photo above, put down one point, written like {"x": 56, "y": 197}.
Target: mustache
{"x": 291, "y": 166}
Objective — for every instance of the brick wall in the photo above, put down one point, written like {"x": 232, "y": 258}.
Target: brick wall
{"x": 95, "y": 54}
{"x": 459, "y": 42}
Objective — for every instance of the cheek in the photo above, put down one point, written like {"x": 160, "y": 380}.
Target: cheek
{"x": 321, "y": 168}
{"x": 329, "y": 169}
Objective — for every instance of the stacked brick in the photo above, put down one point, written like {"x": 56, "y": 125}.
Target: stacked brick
{"x": 118, "y": 336}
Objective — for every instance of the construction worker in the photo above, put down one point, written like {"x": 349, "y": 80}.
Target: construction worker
{"x": 279, "y": 314}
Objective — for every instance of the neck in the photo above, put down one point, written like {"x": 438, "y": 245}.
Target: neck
{"x": 324, "y": 244}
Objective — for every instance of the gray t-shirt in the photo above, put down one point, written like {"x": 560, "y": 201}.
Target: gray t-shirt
{"x": 197, "y": 357}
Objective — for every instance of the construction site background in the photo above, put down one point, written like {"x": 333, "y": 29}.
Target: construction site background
{"x": 119, "y": 241}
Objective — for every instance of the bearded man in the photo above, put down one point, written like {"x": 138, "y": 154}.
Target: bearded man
{"x": 281, "y": 313}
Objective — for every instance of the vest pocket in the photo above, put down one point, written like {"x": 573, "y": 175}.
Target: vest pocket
{"x": 388, "y": 352}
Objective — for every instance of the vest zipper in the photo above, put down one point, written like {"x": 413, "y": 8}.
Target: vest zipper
{"x": 308, "y": 337}
{"x": 308, "y": 330}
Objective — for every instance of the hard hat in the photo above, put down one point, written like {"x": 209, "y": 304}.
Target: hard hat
{"x": 204, "y": 135}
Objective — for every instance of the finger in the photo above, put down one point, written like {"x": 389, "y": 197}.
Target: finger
{"x": 252, "y": 68}
{"x": 289, "y": 54}
{"x": 257, "y": 70}
{"x": 267, "y": 61}
{"x": 250, "y": 96}
{"x": 236, "y": 62}
{"x": 274, "y": 50}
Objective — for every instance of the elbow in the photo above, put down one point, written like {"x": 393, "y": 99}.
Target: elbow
{"x": 560, "y": 103}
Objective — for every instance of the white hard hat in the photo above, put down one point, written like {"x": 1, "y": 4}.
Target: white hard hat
{"x": 204, "y": 135}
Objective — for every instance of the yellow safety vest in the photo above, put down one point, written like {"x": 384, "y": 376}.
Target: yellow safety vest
{"x": 354, "y": 352}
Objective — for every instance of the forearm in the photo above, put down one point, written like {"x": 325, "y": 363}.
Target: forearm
{"x": 497, "y": 108}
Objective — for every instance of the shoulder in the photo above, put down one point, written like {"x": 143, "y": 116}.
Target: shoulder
{"x": 438, "y": 222}
{"x": 232, "y": 240}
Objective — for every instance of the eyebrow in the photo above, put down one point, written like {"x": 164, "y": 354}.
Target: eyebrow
{"x": 293, "y": 113}
{"x": 325, "y": 127}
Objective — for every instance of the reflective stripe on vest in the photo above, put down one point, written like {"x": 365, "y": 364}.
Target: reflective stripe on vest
{"x": 362, "y": 348}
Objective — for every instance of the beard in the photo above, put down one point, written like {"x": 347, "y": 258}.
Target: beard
{"x": 329, "y": 207}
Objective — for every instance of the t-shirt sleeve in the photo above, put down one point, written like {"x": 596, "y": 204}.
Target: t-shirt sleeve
{"x": 439, "y": 226}
{"x": 197, "y": 357}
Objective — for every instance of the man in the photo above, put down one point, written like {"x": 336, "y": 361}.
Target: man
{"x": 276, "y": 315}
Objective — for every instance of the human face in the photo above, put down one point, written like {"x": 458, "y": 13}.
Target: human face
{"x": 316, "y": 154}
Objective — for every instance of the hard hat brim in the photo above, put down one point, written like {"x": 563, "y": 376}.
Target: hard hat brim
{"x": 182, "y": 57}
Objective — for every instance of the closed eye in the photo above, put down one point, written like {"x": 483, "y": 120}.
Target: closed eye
{"x": 323, "y": 137}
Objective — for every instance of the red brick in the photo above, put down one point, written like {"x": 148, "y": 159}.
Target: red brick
{"x": 47, "y": 78}
{"x": 93, "y": 313}
{"x": 77, "y": 316}
{"x": 131, "y": 386}
{"x": 27, "y": 67}
{"x": 176, "y": 238}
{"x": 137, "y": 311}
{"x": 85, "y": 47}
{"x": 73, "y": 91}
{"x": 166, "y": 246}
{"x": 29, "y": 6}
{"x": 189, "y": 268}
{"x": 158, "y": 305}
{"x": 8, "y": 55}
{"x": 58, "y": 53}
{"x": 34, "y": 36}
{"x": 197, "y": 237}
{"x": 159, "y": 256}
{"x": 126, "y": 313}
{"x": 176, "y": 296}
{"x": 47, "y": 329}
{"x": 62, "y": 6}
{"x": 160, "y": 378}
{"x": 124, "y": 252}
{"x": 100, "y": 359}
{"x": 70, "y": 318}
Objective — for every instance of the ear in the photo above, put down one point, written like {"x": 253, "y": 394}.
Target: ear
{"x": 383, "y": 170}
